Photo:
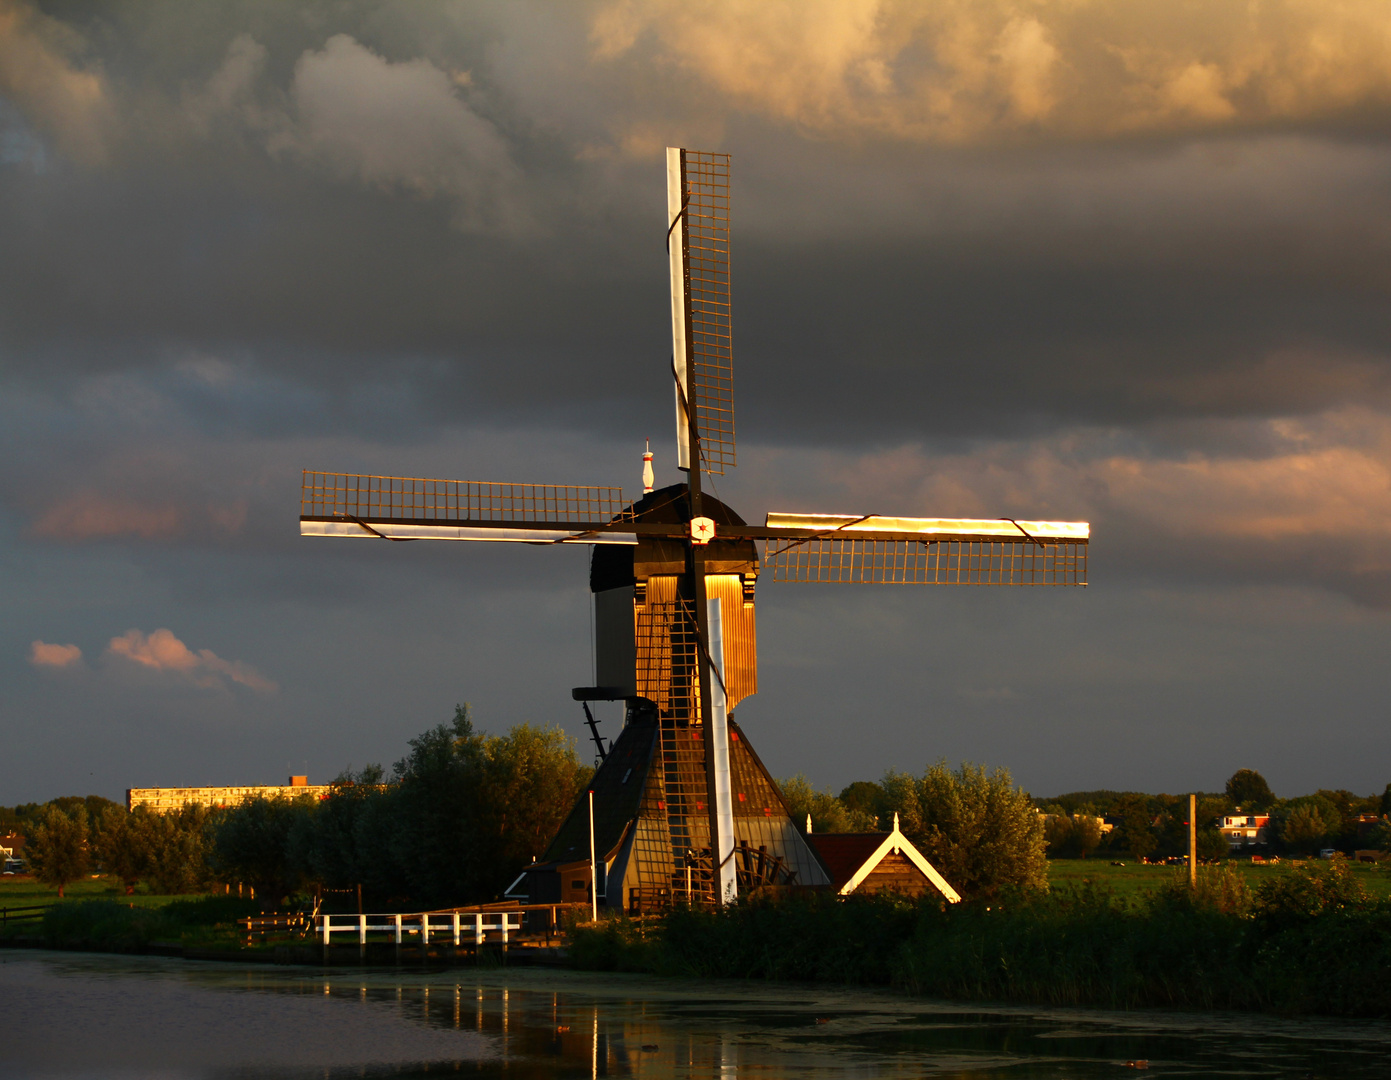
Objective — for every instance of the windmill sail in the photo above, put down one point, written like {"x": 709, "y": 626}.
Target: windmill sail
{"x": 698, "y": 258}
{"x": 415, "y": 508}
{"x": 873, "y": 550}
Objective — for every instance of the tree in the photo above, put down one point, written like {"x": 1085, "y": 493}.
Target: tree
{"x": 867, "y": 798}
{"x": 118, "y": 848}
{"x": 530, "y": 779}
{"x": 252, "y": 843}
{"x": 1305, "y": 828}
{"x": 1386, "y": 801}
{"x": 472, "y": 810}
{"x": 167, "y": 850}
{"x": 57, "y": 847}
{"x": 1086, "y": 833}
{"x": 1248, "y": 789}
{"x": 980, "y": 831}
{"x": 1072, "y": 836}
{"x": 829, "y": 814}
{"x": 1135, "y": 833}
{"x": 1212, "y": 845}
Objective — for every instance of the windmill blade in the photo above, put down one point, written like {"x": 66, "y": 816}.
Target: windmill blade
{"x": 698, "y": 256}
{"x": 875, "y": 550}
{"x": 414, "y": 508}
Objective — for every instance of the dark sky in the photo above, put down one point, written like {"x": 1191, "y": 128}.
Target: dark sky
{"x": 1128, "y": 264}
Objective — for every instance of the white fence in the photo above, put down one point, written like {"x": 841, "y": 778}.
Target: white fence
{"x": 424, "y": 925}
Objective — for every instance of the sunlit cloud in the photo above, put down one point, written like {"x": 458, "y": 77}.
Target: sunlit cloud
{"x": 397, "y": 125}
{"x": 42, "y": 654}
{"x": 162, "y": 651}
{"x": 87, "y": 516}
{"x": 1303, "y": 501}
{"x": 66, "y": 101}
{"x": 964, "y": 70}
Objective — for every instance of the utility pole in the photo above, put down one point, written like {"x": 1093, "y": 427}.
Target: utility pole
{"x": 1192, "y": 841}
{"x": 593, "y": 866}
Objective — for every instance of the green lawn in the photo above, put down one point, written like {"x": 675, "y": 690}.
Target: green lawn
{"x": 24, "y": 891}
{"x": 1135, "y": 878}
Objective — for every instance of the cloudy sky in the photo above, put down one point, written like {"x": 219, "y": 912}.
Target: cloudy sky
{"x": 1074, "y": 260}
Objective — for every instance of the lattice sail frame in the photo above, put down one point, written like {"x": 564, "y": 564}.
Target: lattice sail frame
{"x": 858, "y": 561}
{"x": 356, "y": 496}
{"x": 698, "y": 210}
{"x": 876, "y": 550}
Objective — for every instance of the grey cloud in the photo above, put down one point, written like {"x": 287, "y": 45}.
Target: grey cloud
{"x": 427, "y": 240}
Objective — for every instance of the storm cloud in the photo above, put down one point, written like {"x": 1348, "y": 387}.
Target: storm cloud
{"x": 1062, "y": 260}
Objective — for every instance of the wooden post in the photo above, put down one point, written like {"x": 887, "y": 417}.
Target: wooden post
{"x": 398, "y": 929}
{"x": 456, "y": 929}
{"x": 362, "y": 930}
{"x": 1192, "y": 841}
{"x": 593, "y": 869}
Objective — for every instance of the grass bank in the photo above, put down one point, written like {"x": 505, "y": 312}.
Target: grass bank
{"x": 1309, "y": 941}
{"x": 116, "y": 926}
{"x": 97, "y": 914}
{"x": 24, "y": 891}
{"x": 1136, "y": 879}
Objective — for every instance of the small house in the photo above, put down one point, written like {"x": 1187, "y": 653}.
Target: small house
{"x": 1243, "y": 829}
{"x": 878, "y": 862}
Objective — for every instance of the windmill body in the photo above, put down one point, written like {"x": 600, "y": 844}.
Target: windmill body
{"x": 683, "y": 808}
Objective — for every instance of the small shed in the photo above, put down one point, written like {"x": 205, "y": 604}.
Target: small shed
{"x": 878, "y": 862}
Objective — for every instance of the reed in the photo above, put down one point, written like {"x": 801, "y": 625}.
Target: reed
{"x": 1308, "y": 942}
{"x": 115, "y": 926}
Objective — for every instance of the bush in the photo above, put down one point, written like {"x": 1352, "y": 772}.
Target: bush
{"x": 111, "y": 925}
{"x": 827, "y": 812}
{"x": 57, "y": 847}
{"x": 167, "y": 851}
{"x": 981, "y": 832}
{"x": 1307, "y": 941}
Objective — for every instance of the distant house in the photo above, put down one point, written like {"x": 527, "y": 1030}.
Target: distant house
{"x": 1366, "y": 823}
{"x": 878, "y": 862}
{"x": 162, "y": 800}
{"x": 1244, "y": 829}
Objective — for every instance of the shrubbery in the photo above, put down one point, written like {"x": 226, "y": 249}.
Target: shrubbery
{"x": 1308, "y": 940}
{"x": 459, "y": 818}
{"x": 463, "y": 813}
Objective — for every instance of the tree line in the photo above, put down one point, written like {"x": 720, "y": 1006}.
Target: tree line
{"x": 457, "y": 819}
{"x": 1156, "y": 825}
{"x": 464, "y": 812}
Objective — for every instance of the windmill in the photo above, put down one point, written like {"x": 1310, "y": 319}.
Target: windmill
{"x": 683, "y": 808}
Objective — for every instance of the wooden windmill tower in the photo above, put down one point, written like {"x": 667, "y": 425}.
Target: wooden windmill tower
{"x": 683, "y": 809}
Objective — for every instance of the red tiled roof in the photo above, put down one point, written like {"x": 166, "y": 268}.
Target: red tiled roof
{"x": 845, "y": 853}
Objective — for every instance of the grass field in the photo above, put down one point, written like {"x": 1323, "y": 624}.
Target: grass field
{"x": 1135, "y": 879}
{"x": 23, "y": 891}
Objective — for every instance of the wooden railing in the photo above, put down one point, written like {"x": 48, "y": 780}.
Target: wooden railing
{"x": 464, "y": 926}
{"x": 22, "y": 914}
{"x": 399, "y": 926}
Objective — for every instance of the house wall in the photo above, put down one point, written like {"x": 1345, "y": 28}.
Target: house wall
{"x": 896, "y": 873}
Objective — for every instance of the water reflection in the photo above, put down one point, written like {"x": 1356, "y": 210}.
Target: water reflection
{"x": 73, "y": 1015}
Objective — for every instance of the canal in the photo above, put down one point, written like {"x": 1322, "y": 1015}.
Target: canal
{"x": 79, "y": 1015}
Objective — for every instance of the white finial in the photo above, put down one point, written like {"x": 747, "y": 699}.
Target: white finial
{"x": 647, "y": 468}
{"x": 808, "y": 824}
{"x": 895, "y": 821}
